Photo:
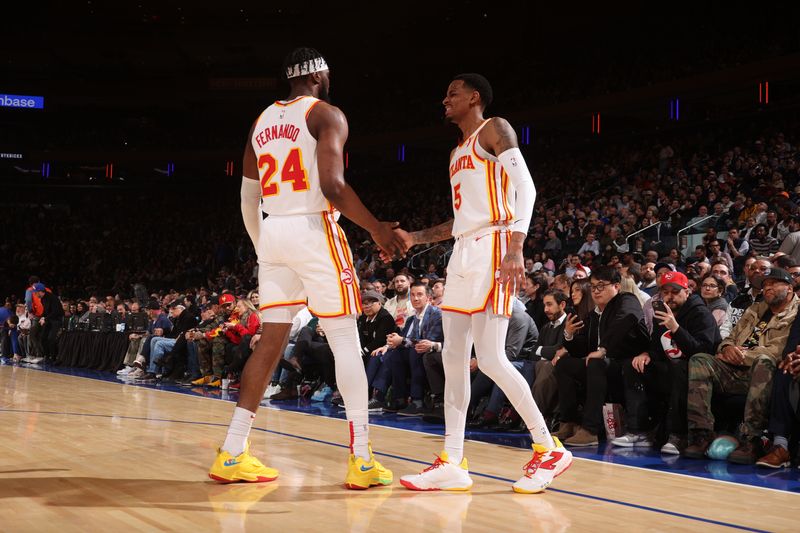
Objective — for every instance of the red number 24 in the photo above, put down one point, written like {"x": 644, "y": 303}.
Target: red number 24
{"x": 292, "y": 171}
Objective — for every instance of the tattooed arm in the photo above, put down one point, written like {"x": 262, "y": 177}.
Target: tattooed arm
{"x": 499, "y": 138}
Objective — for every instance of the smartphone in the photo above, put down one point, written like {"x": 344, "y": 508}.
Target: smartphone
{"x": 659, "y": 306}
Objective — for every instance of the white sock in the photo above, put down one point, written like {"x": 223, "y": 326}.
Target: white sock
{"x": 351, "y": 378}
{"x": 238, "y": 431}
{"x": 490, "y": 336}
{"x": 455, "y": 361}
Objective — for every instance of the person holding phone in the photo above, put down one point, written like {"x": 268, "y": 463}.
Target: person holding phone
{"x": 657, "y": 380}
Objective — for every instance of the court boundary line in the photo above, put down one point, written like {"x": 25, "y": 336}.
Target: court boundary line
{"x": 279, "y": 409}
{"x": 397, "y": 457}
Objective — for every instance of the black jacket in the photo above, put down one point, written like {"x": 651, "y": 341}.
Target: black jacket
{"x": 535, "y": 308}
{"x": 373, "y": 332}
{"x": 698, "y": 333}
{"x": 52, "y": 310}
{"x": 550, "y": 340}
{"x": 621, "y": 328}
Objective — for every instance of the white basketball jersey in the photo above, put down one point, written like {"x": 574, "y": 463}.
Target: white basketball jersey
{"x": 482, "y": 193}
{"x": 286, "y": 155}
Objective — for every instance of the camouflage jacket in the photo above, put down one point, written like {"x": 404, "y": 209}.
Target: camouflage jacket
{"x": 772, "y": 340}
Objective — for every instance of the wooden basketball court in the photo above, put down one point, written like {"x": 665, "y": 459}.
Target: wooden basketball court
{"x": 88, "y": 455}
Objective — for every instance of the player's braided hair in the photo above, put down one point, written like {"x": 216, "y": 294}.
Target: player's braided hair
{"x": 478, "y": 83}
{"x": 298, "y": 55}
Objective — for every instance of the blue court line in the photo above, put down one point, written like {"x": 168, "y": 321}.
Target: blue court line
{"x": 400, "y": 457}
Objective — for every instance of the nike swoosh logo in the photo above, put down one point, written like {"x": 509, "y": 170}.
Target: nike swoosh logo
{"x": 231, "y": 462}
{"x": 365, "y": 468}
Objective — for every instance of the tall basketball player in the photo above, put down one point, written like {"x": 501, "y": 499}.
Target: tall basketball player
{"x": 493, "y": 197}
{"x": 292, "y": 188}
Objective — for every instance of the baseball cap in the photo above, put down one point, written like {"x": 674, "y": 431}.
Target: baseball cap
{"x": 372, "y": 296}
{"x": 537, "y": 266}
{"x": 662, "y": 264}
{"x": 775, "y": 273}
{"x": 226, "y": 298}
{"x": 674, "y": 279}
{"x": 38, "y": 287}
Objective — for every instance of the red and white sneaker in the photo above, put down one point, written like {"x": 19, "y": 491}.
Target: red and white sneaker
{"x": 546, "y": 465}
{"x": 441, "y": 475}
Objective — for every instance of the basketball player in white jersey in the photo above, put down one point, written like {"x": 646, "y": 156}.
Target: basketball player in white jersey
{"x": 493, "y": 197}
{"x": 292, "y": 190}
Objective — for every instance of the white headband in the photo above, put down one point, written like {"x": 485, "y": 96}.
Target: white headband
{"x": 306, "y": 67}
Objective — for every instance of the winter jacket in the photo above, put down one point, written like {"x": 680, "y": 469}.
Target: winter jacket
{"x": 697, "y": 333}
{"x": 773, "y": 341}
{"x": 620, "y": 330}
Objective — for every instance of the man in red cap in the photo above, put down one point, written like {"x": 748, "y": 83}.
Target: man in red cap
{"x": 656, "y": 381}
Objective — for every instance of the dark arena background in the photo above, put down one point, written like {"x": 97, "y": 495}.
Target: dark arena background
{"x": 658, "y": 135}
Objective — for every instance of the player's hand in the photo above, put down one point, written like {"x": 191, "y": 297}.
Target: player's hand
{"x": 389, "y": 240}
{"x": 408, "y": 241}
{"x": 512, "y": 271}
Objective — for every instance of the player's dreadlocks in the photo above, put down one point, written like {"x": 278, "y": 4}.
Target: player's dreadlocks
{"x": 297, "y": 56}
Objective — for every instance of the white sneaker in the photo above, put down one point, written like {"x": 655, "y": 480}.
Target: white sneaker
{"x": 137, "y": 373}
{"x": 543, "y": 468}
{"x": 441, "y": 475}
{"x": 27, "y": 359}
{"x": 36, "y": 360}
{"x": 272, "y": 389}
{"x": 125, "y": 371}
{"x": 630, "y": 440}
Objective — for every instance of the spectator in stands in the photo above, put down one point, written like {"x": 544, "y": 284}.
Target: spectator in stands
{"x": 754, "y": 269}
{"x": 535, "y": 287}
{"x": 193, "y": 336}
{"x": 712, "y": 290}
{"x": 374, "y": 325}
{"x": 239, "y": 333}
{"x": 590, "y": 245}
{"x": 520, "y": 342}
{"x": 720, "y": 269}
{"x": 561, "y": 283}
{"x": 548, "y": 350}
{"x": 159, "y": 325}
{"x": 761, "y": 243}
{"x": 553, "y": 245}
{"x": 716, "y": 254}
{"x": 744, "y": 364}
{"x": 136, "y": 323}
{"x": 437, "y": 291}
{"x": 794, "y": 271}
{"x": 580, "y": 298}
{"x": 182, "y": 321}
{"x": 399, "y": 306}
{"x": 614, "y": 331}
{"x": 656, "y": 380}
{"x": 422, "y": 334}
{"x": 791, "y": 243}
{"x": 737, "y": 248}
{"x": 648, "y": 284}
{"x": 784, "y": 422}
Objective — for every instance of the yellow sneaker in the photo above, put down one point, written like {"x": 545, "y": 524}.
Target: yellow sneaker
{"x": 214, "y": 382}
{"x": 243, "y": 467}
{"x": 363, "y": 474}
{"x": 199, "y": 382}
